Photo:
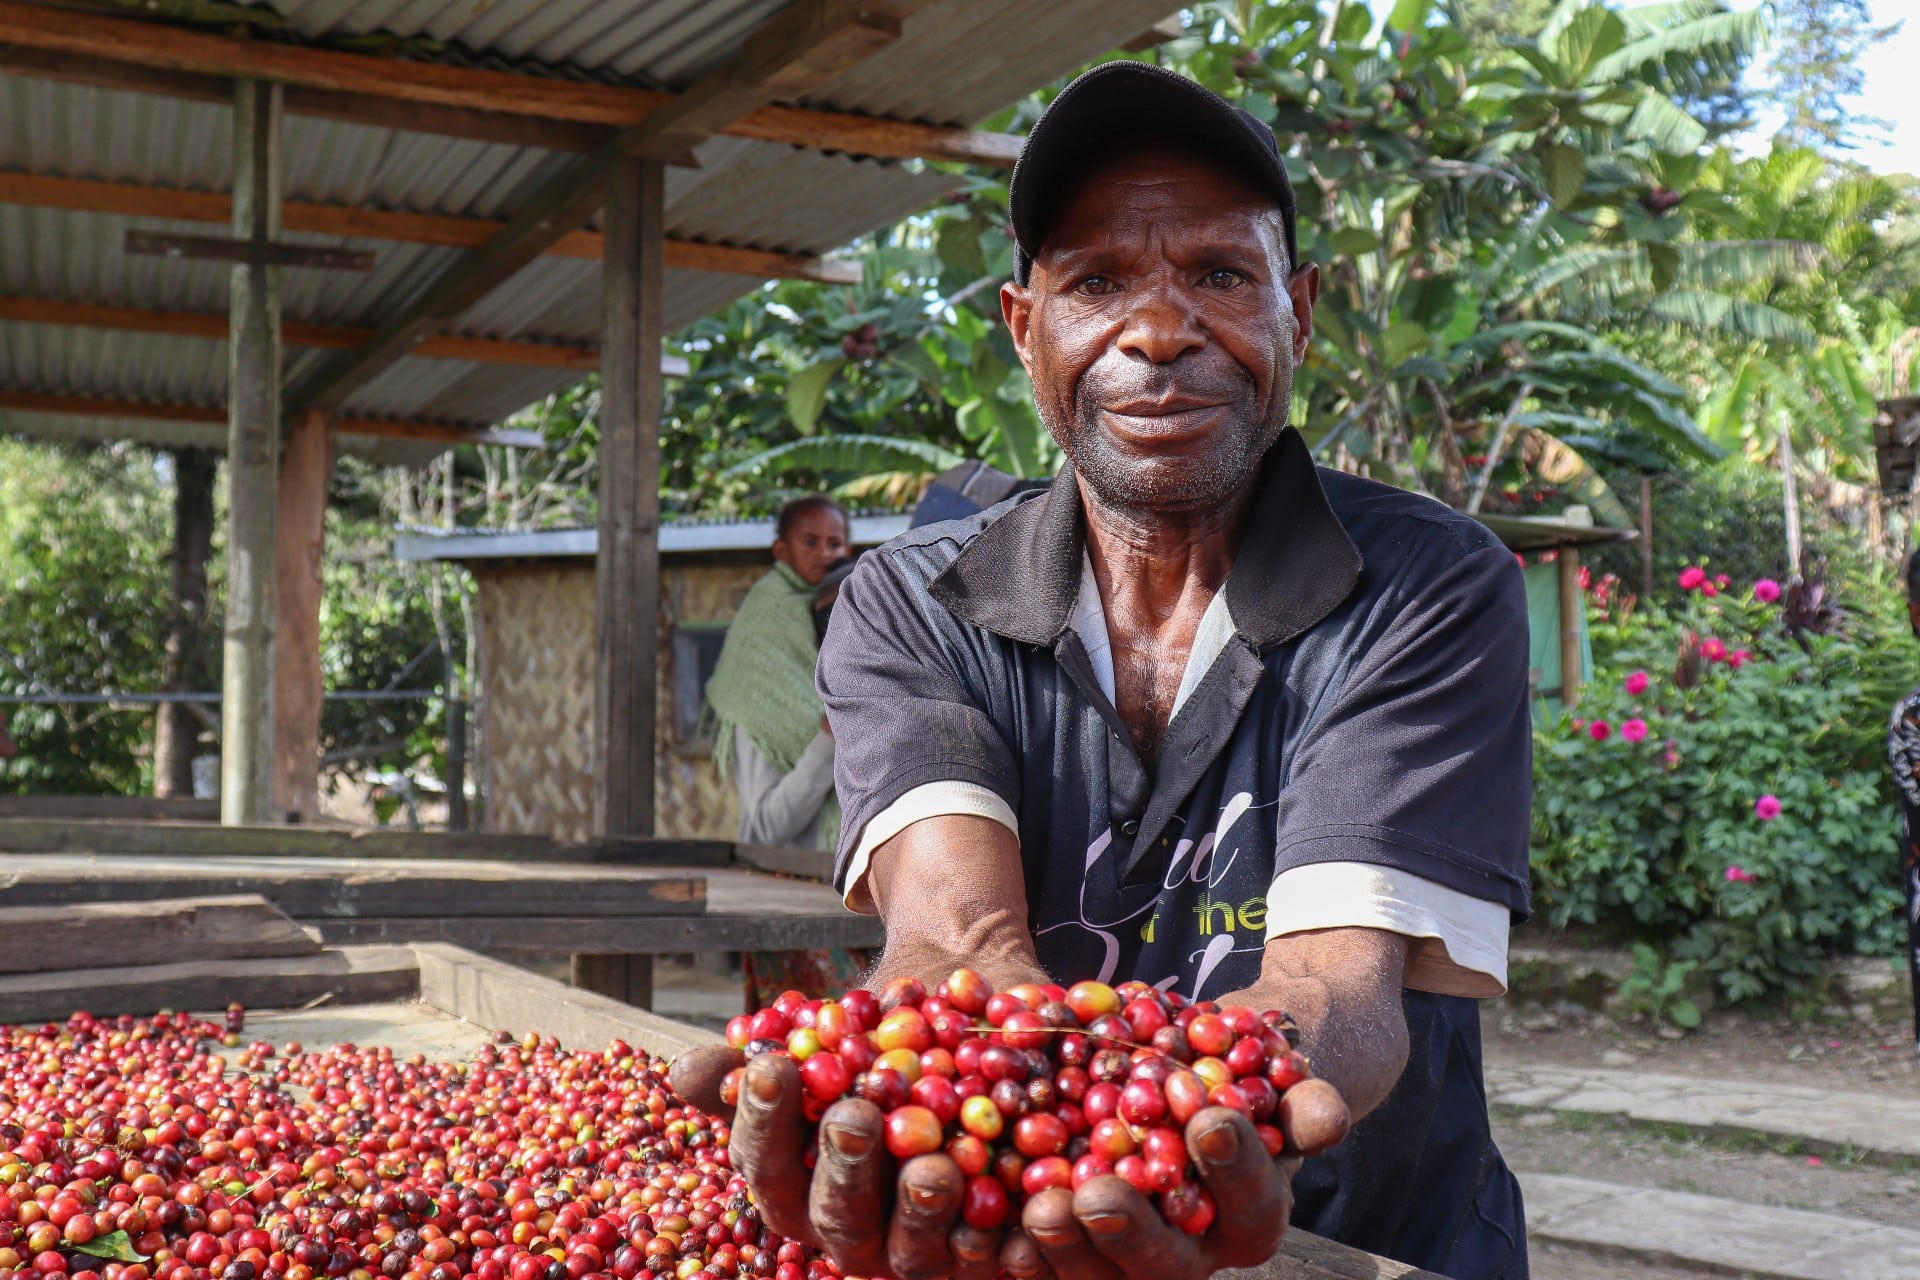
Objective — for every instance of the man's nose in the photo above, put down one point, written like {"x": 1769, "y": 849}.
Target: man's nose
{"x": 1161, "y": 328}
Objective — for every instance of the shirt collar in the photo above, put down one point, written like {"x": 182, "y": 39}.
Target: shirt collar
{"x": 1020, "y": 576}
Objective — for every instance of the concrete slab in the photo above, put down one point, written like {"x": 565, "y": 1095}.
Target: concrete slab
{"x": 1708, "y": 1231}
{"x": 407, "y": 1028}
{"x": 1886, "y": 1127}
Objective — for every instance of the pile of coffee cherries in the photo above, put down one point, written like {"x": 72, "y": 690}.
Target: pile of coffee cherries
{"x": 1040, "y": 1086}
{"x": 166, "y": 1148}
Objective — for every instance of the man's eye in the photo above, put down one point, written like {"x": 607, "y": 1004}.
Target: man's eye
{"x": 1225, "y": 278}
{"x": 1097, "y": 285}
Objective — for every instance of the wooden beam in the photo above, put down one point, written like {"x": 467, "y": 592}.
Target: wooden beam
{"x": 89, "y": 195}
{"x": 807, "y": 42}
{"x": 253, "y": 464}
{"x": 215, "y": 416}
{"x": 365, "y": 87}
{"x": 627, "y": 568}
{"x": 352, "y": 975}
{"x": 306, "y": 462}
{"x": 206, "y": 324}
{"x": 37, "y": 939}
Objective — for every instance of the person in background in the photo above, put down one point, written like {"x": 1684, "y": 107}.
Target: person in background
{"x": 1903, "y": 748}
{"x": 771, "y": 733}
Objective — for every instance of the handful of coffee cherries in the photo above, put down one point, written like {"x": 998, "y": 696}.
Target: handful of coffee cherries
{"x": 1041, "y": 1086}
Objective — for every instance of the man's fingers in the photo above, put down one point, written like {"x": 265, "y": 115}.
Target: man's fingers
{"x": 1252, "y": 1193}
{"x": 1048, "y": 1220}
{"x": 1129, "y": 1232}
{"x": 1020, "y": 1257}
{"x": 924, "y": 1212}
{"x": 976, "y": 1253}
{"x": 697, "y": 1073}
{"x": 769, "y": 1139}
{"x": 852, "y": 1187}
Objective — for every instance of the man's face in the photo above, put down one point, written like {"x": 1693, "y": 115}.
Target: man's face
{"x": 817, "y": 538}
{"x": 1161, "y": 327}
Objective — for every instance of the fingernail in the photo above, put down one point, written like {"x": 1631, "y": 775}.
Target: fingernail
{"x": 1051, "y": 1234}
{"x": 1220, "y": 1143}
{"x": 1106, "y": 1224}
{"x": 848, "y": 1141}
{"x": 926, "y": 1197}
{"x": 764, "y": 1085}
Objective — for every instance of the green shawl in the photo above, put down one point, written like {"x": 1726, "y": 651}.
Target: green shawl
{"x": 763, "y": 683}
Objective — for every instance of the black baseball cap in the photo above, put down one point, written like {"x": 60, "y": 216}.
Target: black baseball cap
{"x": 1134, "y": 97}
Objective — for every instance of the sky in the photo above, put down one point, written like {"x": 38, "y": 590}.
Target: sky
{"x": 1890, "y": 92}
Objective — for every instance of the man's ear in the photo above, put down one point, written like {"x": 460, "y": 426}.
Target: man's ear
{"x": 1016, "y": 308}
{"x": 1303, "y": 287}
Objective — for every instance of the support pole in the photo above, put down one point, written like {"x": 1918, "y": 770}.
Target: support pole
{"x": 628, "y": 562}
{"x": 1790, "y": 499}
{"x": 1573, "y": 606}
{"x": 305, "y": 466}
{"x": 1646, "y": 536}
{"x": 253, "y": 481}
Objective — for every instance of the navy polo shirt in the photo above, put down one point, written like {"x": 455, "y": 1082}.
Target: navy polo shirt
{"x": 1371, "y": 707}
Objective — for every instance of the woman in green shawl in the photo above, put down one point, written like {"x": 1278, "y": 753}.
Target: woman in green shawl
{"x": 771, "y": 731}
{"x": 771, "y": 735}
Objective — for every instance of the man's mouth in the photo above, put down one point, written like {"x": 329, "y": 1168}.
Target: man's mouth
{"x": 1163, "y": 419}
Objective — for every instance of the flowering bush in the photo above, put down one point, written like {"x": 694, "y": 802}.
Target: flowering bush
{"x": 1722, "y": 791}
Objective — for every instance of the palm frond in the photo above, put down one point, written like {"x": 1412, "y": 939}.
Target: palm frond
{"x": 844, "y": 453}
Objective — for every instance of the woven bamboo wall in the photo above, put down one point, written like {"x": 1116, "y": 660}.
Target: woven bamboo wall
{"x": 536, "y": 671}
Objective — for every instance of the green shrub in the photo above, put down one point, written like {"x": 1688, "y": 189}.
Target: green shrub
{"x": 1651, "y": 803}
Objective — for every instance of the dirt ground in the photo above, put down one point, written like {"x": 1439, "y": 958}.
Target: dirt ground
{"x": 1842, "y": 1051}
{"x": 1557, "y": 1262}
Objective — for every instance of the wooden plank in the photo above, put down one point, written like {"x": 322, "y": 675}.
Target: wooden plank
{"x": 1573, "y": 613}
{"x": 253, "y": 464}
{"x": 130, "y": 809}
{"x": 627, "y": 568}
{"x": 363, "y": 88}
{"x": 809, "y": 864}
{"x": 353, "y": 975}
{"x": 1305, "y": 1256}
{"x": 213, "y": 416}
{"x": 503, "y": 998}
{"x": 591, "y": 935}
{"x": 184, "y": 839}
{"x": 213, "y": 326}
{"x": 88, "y": 195}
{"x": 810, "y": 42}
{"x": 621, "y": 976}
{"x": 306, "y": 462}
{"x": 325, "y": 888}
{"x": 38, "y": 939}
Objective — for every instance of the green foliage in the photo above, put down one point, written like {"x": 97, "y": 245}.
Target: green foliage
{"x": 1660, "y": 841}
{"x": 83, "y": 560}
{"x": 1656, "y": 988}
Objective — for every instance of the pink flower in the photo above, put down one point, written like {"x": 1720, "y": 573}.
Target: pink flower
{"x": 1519, "y": 559}
{"x": 1767, "y": 808}
{"x": 1740, "y": 875}
{"x": 1739, "y": 658}
{"x": 1692, "y": 577}
{"x": 1713, "y": 650}
{"x": 1721, "y": 581}
{"x": 1634, "y": 730}
{"x": 1709, "y": 589}
{"x": 1600, "y": 730}
{"x": 1766, "y": 591}
{"x": 1637, "y": 684}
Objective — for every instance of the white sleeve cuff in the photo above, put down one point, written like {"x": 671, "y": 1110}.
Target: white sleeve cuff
{"x": 1461, "y": 940}
{"x": 928, "y": 800}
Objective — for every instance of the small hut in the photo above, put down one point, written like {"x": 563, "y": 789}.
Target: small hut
{"x": 535, "y": 593}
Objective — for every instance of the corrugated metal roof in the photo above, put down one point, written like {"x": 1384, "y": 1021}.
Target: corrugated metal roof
{"x": 676, "y": 537}
{"x": 958, "y": 61}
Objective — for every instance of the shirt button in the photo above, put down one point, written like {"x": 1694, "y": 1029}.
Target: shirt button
{"x": 1130, "y": 828}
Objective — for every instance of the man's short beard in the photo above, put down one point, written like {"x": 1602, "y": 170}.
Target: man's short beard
{"x": 1195, "y": 482}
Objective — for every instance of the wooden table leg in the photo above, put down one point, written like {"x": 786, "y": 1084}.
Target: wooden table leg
{"x": 622, "y": 977}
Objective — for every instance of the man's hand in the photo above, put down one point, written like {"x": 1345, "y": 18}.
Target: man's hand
{"x": 874, "y": 1216}
{"x": 1108, "y": 1231}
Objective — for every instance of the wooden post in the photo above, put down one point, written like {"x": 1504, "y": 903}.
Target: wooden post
{"x": 1646, "y": 536}
{"x": 628, "y": 978}
{"x": 1790, "y": 499}
{"x": 176, "y": 730}
{"x": 298, "y": 683}
{"x": 1572, "y": 613}
{"x": 253, "y": 448}
{"x": 628, "y": 561}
